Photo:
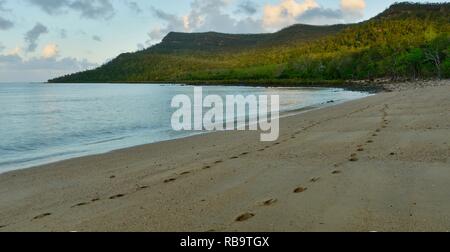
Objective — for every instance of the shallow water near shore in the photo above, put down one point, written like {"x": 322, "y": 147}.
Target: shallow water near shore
{"x": 42, "y": 123}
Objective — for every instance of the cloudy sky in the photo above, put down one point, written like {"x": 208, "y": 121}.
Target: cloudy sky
{"x": 41, "y": 39}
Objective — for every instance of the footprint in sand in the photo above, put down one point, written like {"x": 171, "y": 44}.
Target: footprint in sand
{"x": 244, "y": 217}
{"x": 244, "y": 153}
{"x": 42, "y": 216}
{"x": 117, "y": 196}
{"x": 314, "y": 179}
{"x": 336, "y": 172}
{"x": 260, "y": 150}
{"x": 112, "y": 177}
{"x": 269, "y": 202}
{"x": 80, "y": 204}
{"x": 206, "y": 167}
{"x": 185, "y": 173}
{"x": 353, "y": 159}
{"x": 3, "y": 226}
{"x": 143, "y": 187}
{"x": 95, "y": 200}
{"x": 234, "y": 157}
{"x": 360, "y": 149}
{"x": 169, "y": 180}
{"x": 300, "y": 189}
{"x": 370, "y": 141}
{"x": 218, "y": 161}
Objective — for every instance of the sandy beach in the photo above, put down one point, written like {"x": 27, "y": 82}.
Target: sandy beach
{"x": 376, "y": 164}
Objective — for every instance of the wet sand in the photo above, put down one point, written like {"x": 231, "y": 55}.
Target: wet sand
{"x": 375, "y": 164}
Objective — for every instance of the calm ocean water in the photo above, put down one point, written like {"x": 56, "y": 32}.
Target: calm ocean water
{"x": 42, "y": 123}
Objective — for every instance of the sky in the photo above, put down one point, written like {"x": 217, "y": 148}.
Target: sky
{"x": 42, "y": 39}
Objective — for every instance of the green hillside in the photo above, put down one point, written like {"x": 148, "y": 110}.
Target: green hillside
{"x": 405, "y": 41}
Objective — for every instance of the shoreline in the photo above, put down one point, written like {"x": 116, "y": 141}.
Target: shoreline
{"x": 374, "y": 164}
{"x": 372, "y": 87}
{"x": 81, "y": 154}
{"x": 375, "y": 86}
{"x": 283, "y": 114}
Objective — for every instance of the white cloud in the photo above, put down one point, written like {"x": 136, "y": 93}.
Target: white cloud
{"x": 353, "y": 8}
{"x": 50, "y": 51}
{"x": 214, "y": 15}
{"x": 15, "y": 68}
{"x": 352, "y": 5}
{"x": 204, "y": 15}
{"x": 286, "y": 12}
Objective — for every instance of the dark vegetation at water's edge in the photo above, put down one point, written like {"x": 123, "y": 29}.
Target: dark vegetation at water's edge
{"x": 407, "y": 41}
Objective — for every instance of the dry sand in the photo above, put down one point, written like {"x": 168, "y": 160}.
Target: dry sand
{"x": 376, "y": 164}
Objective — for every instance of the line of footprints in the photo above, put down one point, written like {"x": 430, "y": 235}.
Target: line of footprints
{"x": 173, "y": 179}
{"x": 269, "y": 202}
{"x": 353, "y": 158}
{"x": 383, "y": 125}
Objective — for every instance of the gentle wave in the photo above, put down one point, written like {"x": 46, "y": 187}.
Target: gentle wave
{"x": 46, "y": 123}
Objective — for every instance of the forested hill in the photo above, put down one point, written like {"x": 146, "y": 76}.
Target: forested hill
{"x": 176, "y": 42}
{"x": 407, "y": 40}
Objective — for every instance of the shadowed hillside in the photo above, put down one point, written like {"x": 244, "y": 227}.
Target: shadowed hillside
{"x": 176, "y": 42}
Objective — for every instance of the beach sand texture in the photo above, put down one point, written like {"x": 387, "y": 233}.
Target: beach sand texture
{"x": 375, "y": 164}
